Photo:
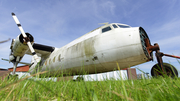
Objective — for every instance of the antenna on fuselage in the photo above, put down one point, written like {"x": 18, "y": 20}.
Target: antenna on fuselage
{"x": 106, "y": 23}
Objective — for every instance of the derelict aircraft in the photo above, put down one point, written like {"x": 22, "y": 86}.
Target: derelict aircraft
{"x": 95, "y": 52}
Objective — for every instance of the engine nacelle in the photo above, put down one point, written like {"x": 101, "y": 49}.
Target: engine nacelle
{"x": 19, "y": 45}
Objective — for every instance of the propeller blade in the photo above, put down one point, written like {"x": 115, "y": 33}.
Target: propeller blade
{"x": 19, "y": 25}
{"x": 36, "y": 58}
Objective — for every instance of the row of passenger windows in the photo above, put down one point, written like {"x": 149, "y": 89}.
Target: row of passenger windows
{"x": 115, "y": 26}
{"x": 48, "y": 61}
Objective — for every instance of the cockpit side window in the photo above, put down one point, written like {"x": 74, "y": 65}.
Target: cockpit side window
{"x": 106, "y": 29}
{"x": 123, "y": 26}
{"x": 114, "y": 26}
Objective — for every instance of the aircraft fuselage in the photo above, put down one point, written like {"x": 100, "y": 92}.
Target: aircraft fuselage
{"x": 98, "y": 51}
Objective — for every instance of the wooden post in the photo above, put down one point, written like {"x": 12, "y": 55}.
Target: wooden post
{"x": 131, "y": 73}
{"x": 4, "y": 74}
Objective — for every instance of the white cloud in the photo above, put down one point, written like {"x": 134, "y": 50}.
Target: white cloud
{"x": 108, "y": 7}
{"x": 168, "y": 26}
{"x": 171, "y": 43}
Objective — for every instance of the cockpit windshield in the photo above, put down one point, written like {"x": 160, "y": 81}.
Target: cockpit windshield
{"x": 106, "y": 29}
{"x": 114, "y": 26}
{"x": 124, "y": 26}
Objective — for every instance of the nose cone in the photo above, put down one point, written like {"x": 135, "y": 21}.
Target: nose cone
{"x": 144, "y": 40}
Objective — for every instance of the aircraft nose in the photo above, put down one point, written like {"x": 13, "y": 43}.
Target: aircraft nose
{"x": 144, "y": 40}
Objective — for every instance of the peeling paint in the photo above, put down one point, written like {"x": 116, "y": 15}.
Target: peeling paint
{"x": 89, "y": 47}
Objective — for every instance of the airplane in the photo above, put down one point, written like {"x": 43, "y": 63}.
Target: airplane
{"x": 98, "y": 51}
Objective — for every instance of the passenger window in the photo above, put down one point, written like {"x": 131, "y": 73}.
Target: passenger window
{"x": 114, "y": 26}
{"x": 106, "y": 29}
{"x": 59, "y": 57}
{"x": 49, "y": 61}
{"x": 45, "y": 62}
{"x": 54, "y": 59}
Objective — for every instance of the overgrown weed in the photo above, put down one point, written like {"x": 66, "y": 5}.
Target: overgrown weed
{"x": 161, "y": 88}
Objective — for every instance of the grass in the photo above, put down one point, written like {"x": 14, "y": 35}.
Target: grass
{"x": 166, "y": 89}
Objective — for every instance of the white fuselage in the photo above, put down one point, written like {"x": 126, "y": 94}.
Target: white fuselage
{"x": 97, "y": 52}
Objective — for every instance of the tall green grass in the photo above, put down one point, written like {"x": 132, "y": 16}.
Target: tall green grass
{"x": 166, "y": 89}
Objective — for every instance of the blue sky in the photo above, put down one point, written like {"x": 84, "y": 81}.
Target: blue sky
{"x": 58, "y": 22}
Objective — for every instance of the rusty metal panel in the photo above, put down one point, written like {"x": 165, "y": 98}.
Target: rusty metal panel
{"x": 20, "y": 68}
{"x": 131, "y": 73}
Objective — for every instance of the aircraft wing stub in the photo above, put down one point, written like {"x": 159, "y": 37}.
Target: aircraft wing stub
{"x": 19, "y": 62}
{"x": 4, "y": 41}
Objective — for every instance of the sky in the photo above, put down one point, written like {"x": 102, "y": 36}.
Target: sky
{"x": 58, "y": 22}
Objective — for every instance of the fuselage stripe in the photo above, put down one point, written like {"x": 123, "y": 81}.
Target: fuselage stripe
{"x": 19, "y": 25}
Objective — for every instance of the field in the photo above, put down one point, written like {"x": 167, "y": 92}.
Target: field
{"x": 166, "y": 89}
